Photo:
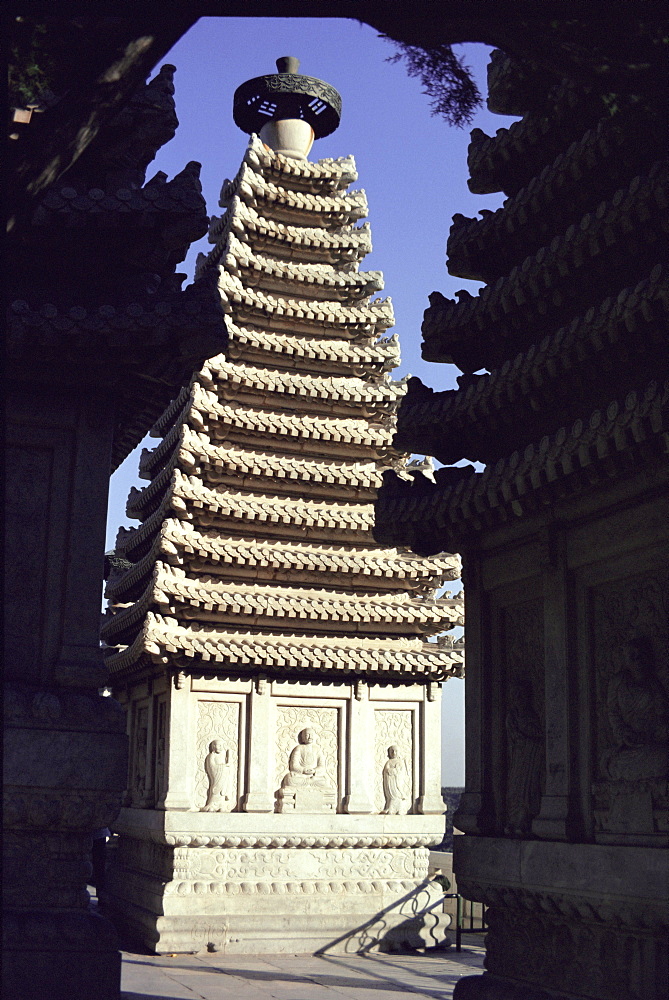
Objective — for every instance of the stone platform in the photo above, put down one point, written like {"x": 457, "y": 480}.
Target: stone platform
{"x": 181, "y": 885}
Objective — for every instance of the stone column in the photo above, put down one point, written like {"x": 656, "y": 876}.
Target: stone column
{"x": 555, "y": 821}
{"x": 178, "y": 795}
{"x": 260, "y": 795}
{"x": 430, "y": 800}
{"x": 65, "y": 745}
{"x": 359, "y": 760}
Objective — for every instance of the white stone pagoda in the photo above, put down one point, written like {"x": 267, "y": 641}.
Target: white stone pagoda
{"x": 282, "y": 691}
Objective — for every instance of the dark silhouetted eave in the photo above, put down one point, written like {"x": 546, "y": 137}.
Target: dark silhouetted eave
{"x": 629, "y": 435}
{"x": 581, "y": 364}
{"x": 577, "y": 180}
{"x": 553, "y": 286}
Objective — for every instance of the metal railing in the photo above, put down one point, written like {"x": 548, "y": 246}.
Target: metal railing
{"x": 463, "y": 918}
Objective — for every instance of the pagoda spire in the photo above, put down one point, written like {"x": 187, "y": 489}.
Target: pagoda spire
{"x": 287, "y": 109}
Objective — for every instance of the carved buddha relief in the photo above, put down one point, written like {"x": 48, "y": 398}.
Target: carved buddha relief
{"x": 523, "y": 780}
{"x": 525, "y": 742}
{"x": 393, "y": 755}
{"x": 637, "y": 707}
{"x": 219, "y": 777}
{"x": 631, "y": 686}
{"x": 218, "y": 722}
{"x": 396, "y": 784}
{"x": 306, "y": 787}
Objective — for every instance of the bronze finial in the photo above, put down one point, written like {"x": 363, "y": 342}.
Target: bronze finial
{"x": 288, "y": 64}
{"x": 287, "y": 94}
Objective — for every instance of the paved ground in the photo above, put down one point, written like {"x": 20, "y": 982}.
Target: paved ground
{"x": 298, "y": 977}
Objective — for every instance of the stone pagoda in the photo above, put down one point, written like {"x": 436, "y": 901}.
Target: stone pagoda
{"x": 282, "y": 697}
{"x": 564, "y": 536}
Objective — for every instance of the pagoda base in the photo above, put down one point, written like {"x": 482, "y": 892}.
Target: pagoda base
{"x": 566, "y": 920}
{"x": 489, "y": 987}
{"x": 59, "y": 955}
{"x": 302, "y": 897}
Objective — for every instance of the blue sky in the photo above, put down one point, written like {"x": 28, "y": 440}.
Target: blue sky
{"x": 412, "y": 165}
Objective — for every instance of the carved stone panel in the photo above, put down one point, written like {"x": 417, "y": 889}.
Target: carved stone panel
{"x": 569, "y": 953}
{"x": 140, "y": 773}
{"x": 217, "y": 720}
{"x": 291, "y": 720}
{"x": 265, "y": 866}
{"x": 160, "y": 759}
{"x": 393, "y": 728}
{"x": 27, "y": 536}
{"x": 630, "y": 635}
{"x": 520, "y": 783}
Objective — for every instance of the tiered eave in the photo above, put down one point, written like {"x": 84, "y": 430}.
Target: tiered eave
{"x": 256, "y": 549}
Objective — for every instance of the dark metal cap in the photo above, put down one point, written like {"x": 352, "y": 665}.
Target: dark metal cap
{"x": 287, "y": 94}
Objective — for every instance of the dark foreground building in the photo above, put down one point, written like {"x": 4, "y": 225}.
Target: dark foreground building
{"x": 100, "y": 338}
{"x": 564, "y": 533}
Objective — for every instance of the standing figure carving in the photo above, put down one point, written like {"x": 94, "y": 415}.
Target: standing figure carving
{"x": 396, "y": 787}
{"x": 217, "y": 768}
{"x": 306, "y": 787}
{"x": 525, "y": 742}
{"x": 637, "y": 706}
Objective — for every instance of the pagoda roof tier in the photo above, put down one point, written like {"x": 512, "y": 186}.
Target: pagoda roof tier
{"x": 577, "y": 180}
{"x": 506, "y": 161}
{"x": 196, "y": 452}
{"x": 162, "y": 639}
{"x": 161, "y": 338}
{"x": 304, "y": 208}
{"x": 151, "y": 319}
{"x": 288, "y": 432}
{"x": 483, "y": 331}
{"x": 301, "y": 175}
{"x": 598, "y": 449}
{"x": 142, "y": 503}
{"x": 303, "y": 434}
{"x": 325, "y": 355}
{"x": 257, "y": 307}
{"x": 313, "y": 244}
{"x": 205, "y": 410}
{"x": 369, "y": 568}
{"x": 514, "y": 88}
{"x": 74, "y": 202}
{"x": 311, "y": 281}
{"x": 312, "y": 393}
{"x": 481, "y": 420}
{"x": 171, "y": 591}
{"x": 189, "y": 498}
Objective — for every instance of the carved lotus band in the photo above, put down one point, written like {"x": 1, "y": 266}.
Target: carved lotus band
{"x": 294, "y": 888}
{"x": 252, "y": 841}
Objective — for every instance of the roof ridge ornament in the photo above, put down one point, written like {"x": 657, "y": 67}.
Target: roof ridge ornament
{"x": 287, "y": 109}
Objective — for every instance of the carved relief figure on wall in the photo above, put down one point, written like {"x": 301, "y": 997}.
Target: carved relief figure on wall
{"x": 637, "y": 708}
{"x": 217, "y": 768}
{"x": 525, "y": 742}
{"x": 306, "y": 785}
{"x": 396, "y": 786}
{"x": 306, "y": 764}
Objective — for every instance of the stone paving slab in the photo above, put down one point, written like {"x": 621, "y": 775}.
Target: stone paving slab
{"x": 299, "y": 977}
